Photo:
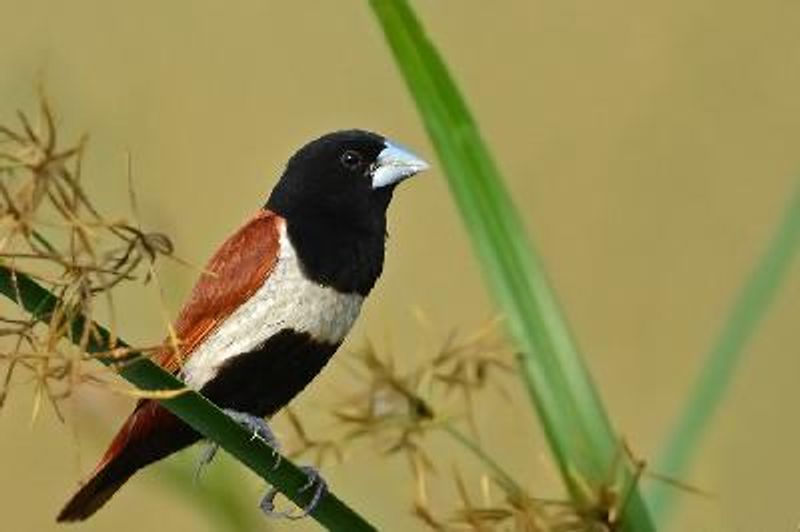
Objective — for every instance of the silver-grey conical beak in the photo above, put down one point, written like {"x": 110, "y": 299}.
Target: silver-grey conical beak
{"x": 394, "y": 164}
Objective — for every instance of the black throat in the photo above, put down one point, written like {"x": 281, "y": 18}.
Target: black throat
{"x": 342, "y": 249}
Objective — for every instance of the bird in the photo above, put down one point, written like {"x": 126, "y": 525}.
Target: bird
{"x": 274, "y": 302}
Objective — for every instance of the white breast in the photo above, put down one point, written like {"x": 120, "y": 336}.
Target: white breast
{"x": 287, "y": 299}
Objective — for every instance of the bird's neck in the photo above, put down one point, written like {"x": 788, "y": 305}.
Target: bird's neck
{"x": 337, "y": 253}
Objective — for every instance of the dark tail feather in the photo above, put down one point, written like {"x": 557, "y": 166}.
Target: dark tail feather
{"x": 150, "y": 434}
{"x": 93, "y": 494}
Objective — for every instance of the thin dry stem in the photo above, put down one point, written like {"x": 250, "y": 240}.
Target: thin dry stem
{"x": 51, "y": 230}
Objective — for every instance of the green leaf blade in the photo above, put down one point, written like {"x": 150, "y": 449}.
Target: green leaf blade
{"x": 574, "y": 420}
{"x": 722, "y": 360}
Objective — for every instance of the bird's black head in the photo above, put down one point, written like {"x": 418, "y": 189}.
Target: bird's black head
{"x": 346, "y": 175}
{"x": 334, "y": 194}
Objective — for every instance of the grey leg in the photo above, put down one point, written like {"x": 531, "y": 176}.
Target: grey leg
{"x": 260, "y": 428}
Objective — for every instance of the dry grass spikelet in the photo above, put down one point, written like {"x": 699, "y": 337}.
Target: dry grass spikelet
{"x": 52, "y": 231}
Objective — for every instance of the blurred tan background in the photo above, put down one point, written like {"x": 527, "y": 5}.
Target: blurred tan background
{"x": 650, "y": 147}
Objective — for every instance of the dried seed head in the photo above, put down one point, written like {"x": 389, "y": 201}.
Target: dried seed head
{"x": 51, "y": 230}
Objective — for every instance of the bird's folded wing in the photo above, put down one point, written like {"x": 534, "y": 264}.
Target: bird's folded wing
{"x": 238, "y": 268}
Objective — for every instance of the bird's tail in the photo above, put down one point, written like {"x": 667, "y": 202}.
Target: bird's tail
{"x": 93, "y": 494}
{"x": 149, "y": 434}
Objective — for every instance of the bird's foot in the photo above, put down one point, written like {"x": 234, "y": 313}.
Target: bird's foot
{"x": 258, "y": 425}
{"x": 261, "y": 429}
{"x": 315, "y": 481}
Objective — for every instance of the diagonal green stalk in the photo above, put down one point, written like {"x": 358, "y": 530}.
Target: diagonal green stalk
{"x": 190, "y": 406}
{"x": 717, "y": 373}
{"x": 580, "y": 434}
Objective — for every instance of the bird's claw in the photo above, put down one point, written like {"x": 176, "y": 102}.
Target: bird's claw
{"x": 258, "y": 425}
{"x": 260, "y": 428}
{"x": 267, "y": 504}
{"x": 206, "y": 458}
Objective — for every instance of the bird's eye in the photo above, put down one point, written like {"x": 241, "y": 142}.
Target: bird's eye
{"x": 351, "y": 159}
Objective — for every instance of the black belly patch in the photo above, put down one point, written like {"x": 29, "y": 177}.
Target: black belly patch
{"x": 264, "y": 380}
